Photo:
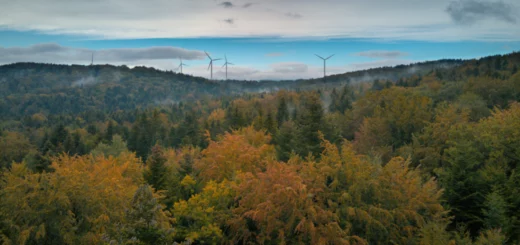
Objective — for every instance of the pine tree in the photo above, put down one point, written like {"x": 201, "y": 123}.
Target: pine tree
{"x": 334, "y": 101}
{"x": 346, "y": 99}
{"x": 110, "y": 132}
{"x": 156, "y": 173}
{"x": 376, "y": 85}
{"x": 140, "y": 139}
{"x": 269, "y": 123}
{"x": 294, "y": 114}
{"x": 284, "y": 140}
{"x": 309, "y": 123}
{"x": 173, "y": 138}
{"x": 282, "y": 114}
{"x": 495, "y": 212}
{"x": 189, "y": 132}
{"x": 235, "y": 117}
{"x": 146, "y": 223}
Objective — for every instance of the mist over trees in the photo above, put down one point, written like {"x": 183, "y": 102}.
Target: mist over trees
{"x": 140, "y": 156}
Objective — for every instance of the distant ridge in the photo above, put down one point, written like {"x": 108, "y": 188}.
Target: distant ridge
{"x": 37, "y": 87}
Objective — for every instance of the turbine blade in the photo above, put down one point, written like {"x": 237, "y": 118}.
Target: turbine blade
{"x": 210, "y": 63}
{"x": 216, "y": 59}
{"x": 207, "y": 55}
{"x": 185, "y": 65}
{"x": 319, "y": 56}
{"x": 330, "y": 56}
{"x": 224, "y": 64}
{"x": 231, "y": 64}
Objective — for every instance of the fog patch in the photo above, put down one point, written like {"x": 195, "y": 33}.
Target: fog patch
{"x": 85, "y": 81}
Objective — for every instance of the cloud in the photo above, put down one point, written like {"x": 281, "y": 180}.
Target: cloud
{"x": 276, "y": 54}
{"x": 289, "y": 67}
{"x": 373, "y": 19}
{"x": 247, "y": 5}
{"x": 378, "y": 63}
{"x": 381, "y": 54}
{"x": 162, "y": 58}
{"x": 229, "y": 21}
{"x": 471, "y": 11}
{"x": 226, "y": 4}
{"x": 55, "y": 53}
{"x": 293, "y": 15}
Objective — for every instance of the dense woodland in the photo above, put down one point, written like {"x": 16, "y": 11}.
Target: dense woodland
{"x": 424, "y": 154}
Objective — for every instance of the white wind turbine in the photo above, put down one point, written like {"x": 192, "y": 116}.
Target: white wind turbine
{"x": 211, "y": 63}
{"x": 324, "y": 64}
{"x": 226, "y": 65}
{"x": 181, "y": 65}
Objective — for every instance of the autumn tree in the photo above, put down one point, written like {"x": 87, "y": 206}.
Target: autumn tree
{"x": 145, "y": 220}
{"x": 81, "y": 202}
{"x": 202, "y": 219}
{"x": 481, "y": 165}
{"x": 242, "y": 150}
{"x": 13, "y": 148}
{"x": 116, "y": 146}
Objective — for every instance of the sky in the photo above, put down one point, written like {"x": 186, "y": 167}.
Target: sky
{"x": 264, "y": 39}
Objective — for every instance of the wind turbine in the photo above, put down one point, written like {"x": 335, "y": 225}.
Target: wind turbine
{"x": 324, "y": 63}
{"x": 211, "y": 63}
{"x": 92, "y": 62}
{"x": 226, "y": 65}
{"x": 181, "y": 65}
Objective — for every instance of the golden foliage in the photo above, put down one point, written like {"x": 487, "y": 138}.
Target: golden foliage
{"x": 83, "y": 199}
{"x": 243, "y": 150}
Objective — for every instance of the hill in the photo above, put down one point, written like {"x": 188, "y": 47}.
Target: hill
{"x": 29, "y": 88}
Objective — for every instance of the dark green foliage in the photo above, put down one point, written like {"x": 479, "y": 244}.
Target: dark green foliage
{"x": 285, "y": 141}
{"x": 110, "y": 132}
{"x": 464, "y": 187}
{"x": 270, "y": 123}
{"x": 377, "y": 85}
{"x": 140, "y": 139}
{"x": 189, "y": 132}
{"x": 341, "y": 102}
{"x": 282, "y": 114}
{"x": 157, "y": 172}
{"x": 235, "y": 117}
{"x": 309, "y": 123}
{"x": 145, "y": 221}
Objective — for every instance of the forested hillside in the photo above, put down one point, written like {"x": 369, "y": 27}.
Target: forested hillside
{"x": 28, "y": 88}
{"x": 101, "y": 155}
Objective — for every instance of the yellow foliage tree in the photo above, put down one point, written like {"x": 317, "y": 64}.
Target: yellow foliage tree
{"x": 79, "y": 203}
{"x": 243, "y": 150}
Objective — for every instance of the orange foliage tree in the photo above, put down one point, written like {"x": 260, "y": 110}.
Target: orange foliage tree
{"x": 244, "y": 150}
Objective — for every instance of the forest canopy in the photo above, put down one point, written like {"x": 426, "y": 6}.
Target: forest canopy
{"x": 425, "y": 158}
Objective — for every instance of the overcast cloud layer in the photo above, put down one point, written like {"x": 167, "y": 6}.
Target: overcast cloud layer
{"x": 54, "y": 53}
{"x": 399, "y": 19}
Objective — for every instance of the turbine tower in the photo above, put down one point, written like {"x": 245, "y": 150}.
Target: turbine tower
{"x": 181, "y": 65}
{"x": 324, "y": 64}
{"x": 92, "y": 62}
{"x": 211, "y": 63}
{"x": 226, "y": 65}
